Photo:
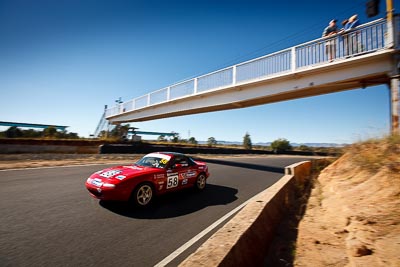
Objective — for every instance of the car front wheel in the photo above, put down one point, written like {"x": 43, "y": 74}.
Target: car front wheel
{"x": 142, "y": 195}
{"x": 201, "y": 182}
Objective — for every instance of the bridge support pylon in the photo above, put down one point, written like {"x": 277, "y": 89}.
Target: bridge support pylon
{"x": 395, "y": 79}
{"x": 395, "y": 105}
{"x": 395, "y": 96}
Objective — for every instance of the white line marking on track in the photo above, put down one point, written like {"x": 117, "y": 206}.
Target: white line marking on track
{"x": 188, "y": 244}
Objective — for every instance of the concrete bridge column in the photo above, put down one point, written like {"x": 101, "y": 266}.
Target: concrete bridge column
{"x": 393, "y": 41}
{"x": 395, "y": 105}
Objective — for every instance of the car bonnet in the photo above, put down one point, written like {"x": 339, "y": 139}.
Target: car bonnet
{"x": 122, "y": 172}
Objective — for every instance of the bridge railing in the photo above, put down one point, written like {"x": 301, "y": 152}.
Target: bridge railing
{"x": 366, "y": 38}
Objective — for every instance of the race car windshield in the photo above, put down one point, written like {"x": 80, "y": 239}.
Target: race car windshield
{"x": 152, "y": 161}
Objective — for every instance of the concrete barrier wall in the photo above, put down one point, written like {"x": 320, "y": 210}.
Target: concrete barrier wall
{"x": 11, "y": 145}
{"x": 245, "y": 239}
{"x": 69, "y": 146}
{"x": 35, "y": 149}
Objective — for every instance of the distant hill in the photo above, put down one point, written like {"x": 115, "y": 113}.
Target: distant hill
{"x": 269, "y": 143}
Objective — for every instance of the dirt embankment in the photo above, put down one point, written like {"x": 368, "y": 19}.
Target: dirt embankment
{"x": 353, "y": 214}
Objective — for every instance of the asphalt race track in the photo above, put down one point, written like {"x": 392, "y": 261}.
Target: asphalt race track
{"x": 49, "y": 219}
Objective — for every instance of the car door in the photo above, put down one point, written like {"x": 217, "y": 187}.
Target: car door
{"x": 172, "y": 181}
{"x": 187, "y": 172}
{"x": 177, "y": 176}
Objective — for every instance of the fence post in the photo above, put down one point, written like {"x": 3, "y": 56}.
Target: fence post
{"x": 195, "y": 86}
{"x": 234, "y": 75}
{"x": 168, "y": 93}
{"x": 293, "y": 59}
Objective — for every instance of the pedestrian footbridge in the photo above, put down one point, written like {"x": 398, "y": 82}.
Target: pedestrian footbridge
{"x": 363, "y": 57}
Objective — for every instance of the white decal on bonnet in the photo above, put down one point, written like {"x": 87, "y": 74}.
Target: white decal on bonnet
{"x": 111, "y": 173}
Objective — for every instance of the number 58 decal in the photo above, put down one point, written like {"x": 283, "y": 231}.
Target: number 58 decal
{"x": 172, "y": 181}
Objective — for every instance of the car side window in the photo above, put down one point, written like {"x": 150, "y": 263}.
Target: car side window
{"x": 184, "y": 163}
{"x": 181, "y": 161}
{"x": 191, "y": 161}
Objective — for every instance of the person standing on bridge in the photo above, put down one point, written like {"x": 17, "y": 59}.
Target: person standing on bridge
{"x": 352, "y": 40}
{"x": 343, "y": 39}
{"x": 330, "y": 44}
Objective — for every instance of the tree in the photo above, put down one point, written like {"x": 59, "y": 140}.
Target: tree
{"x": 103, "y": 134}
{"x": 176, "y": 138}
{"x": 120, "y": 131}
{"x": 247, "y": 141}
{"x": 304, "y": 148}
{"x": 192, "y": 140}
{"x": 50, "y": 131}
{"x": 13, "y": 132}
{"x": 30, "y": 133}
{"x": 211, "y": 141}
{"x": 161, "y": 138}
{"x": 281, "y": 145}
{"x": 72, "y": 136}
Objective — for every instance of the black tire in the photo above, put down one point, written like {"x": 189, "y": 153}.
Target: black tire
{"x": 201, "y": 182}
{"x": 143, "y": 195}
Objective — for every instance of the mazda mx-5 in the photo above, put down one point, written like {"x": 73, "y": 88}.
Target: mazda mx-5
{"x": 154, "y": 174}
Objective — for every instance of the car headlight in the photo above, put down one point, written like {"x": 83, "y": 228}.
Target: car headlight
{"x": 109, "y": 185}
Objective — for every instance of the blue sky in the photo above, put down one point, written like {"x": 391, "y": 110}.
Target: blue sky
{"x": 61, "y": 61}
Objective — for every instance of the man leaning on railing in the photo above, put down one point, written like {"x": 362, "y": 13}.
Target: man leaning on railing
{"x": 330, "y": 45}
{"x": 351, "y": 44}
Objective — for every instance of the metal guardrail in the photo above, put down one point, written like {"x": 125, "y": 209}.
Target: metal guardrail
{"x": 366, "y": 38}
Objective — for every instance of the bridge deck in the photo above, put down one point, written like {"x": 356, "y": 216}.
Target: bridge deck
{"x": 363, "y": 57}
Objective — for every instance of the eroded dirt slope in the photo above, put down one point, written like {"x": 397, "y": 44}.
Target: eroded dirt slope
{"x": 353, "y": 214}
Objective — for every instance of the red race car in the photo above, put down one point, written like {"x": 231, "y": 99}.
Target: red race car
{"x": 154, "y": 174}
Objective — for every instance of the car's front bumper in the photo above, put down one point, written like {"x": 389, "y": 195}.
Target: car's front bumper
{"x": 106, "y": 193}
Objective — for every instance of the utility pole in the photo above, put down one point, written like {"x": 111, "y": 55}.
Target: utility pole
{"x": 394, "y": 79}
{"x": 395, "y": 105}
{"x": 390, "y": 24}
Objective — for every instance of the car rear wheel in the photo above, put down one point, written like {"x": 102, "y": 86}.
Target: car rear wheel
{"x": 201, "y": 182}
{"x": 142, "y": 195}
